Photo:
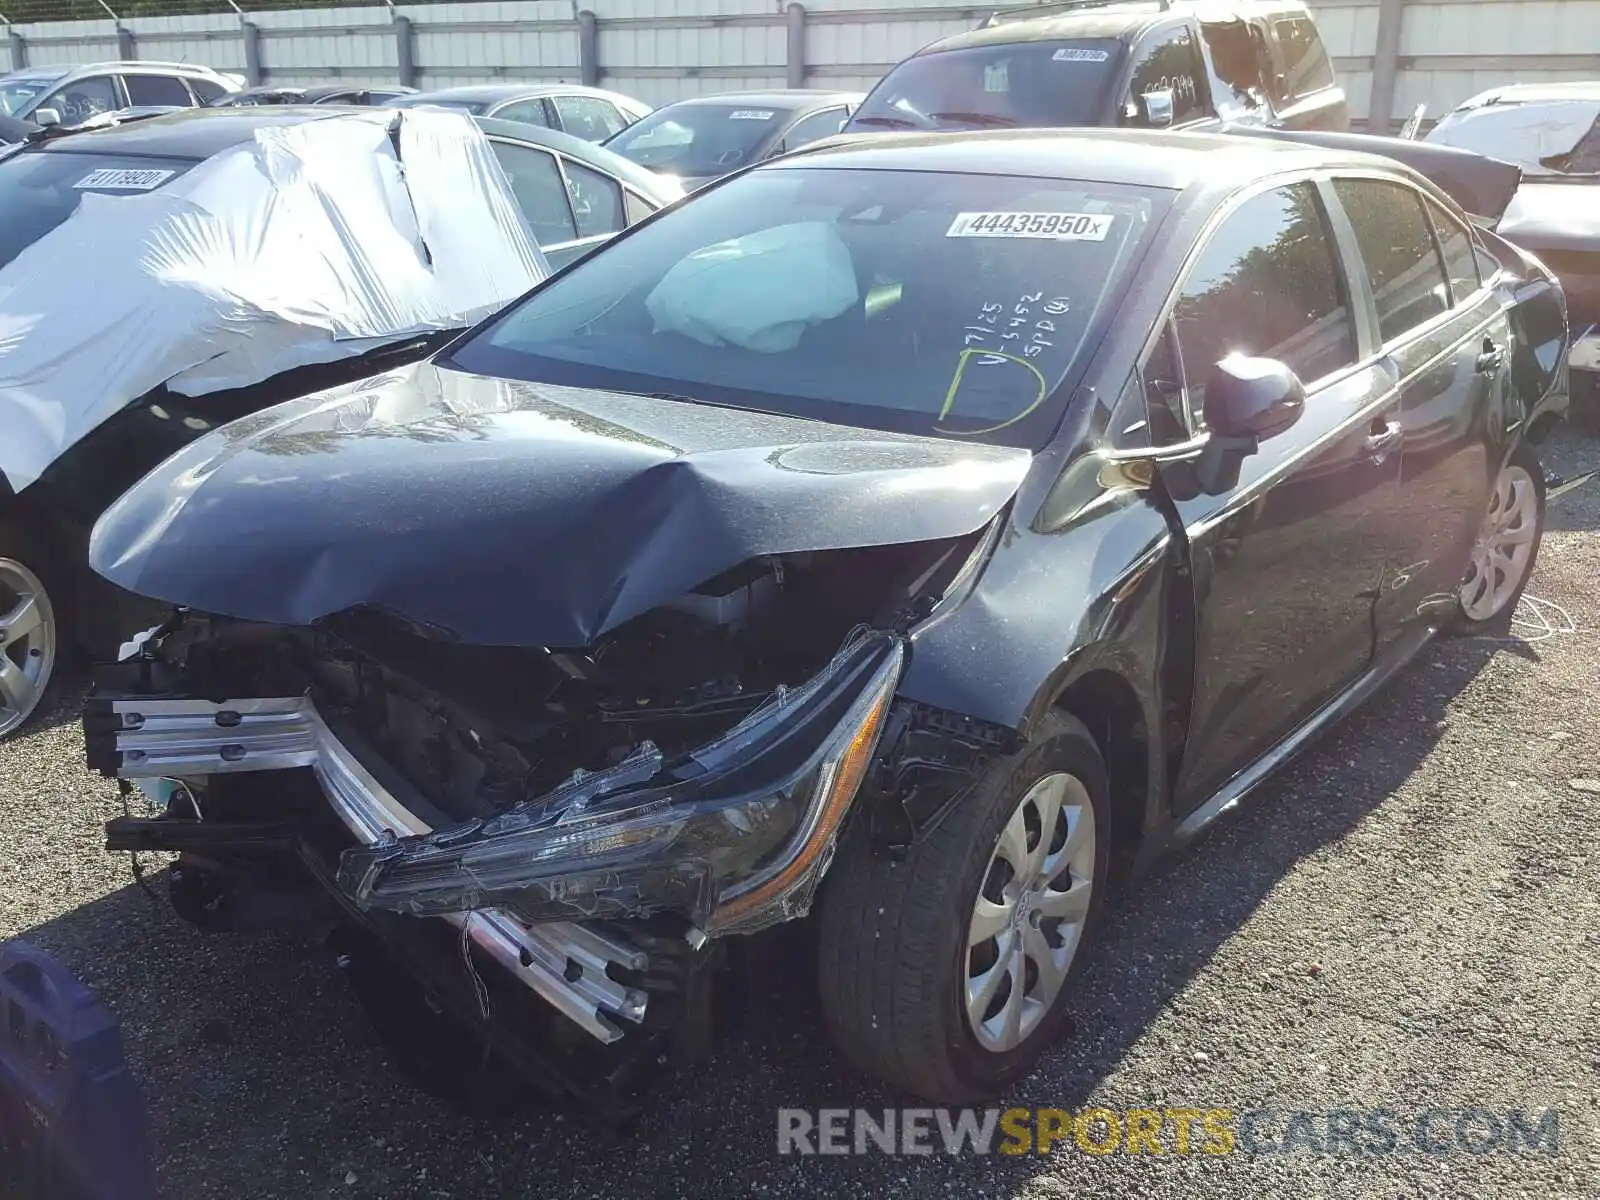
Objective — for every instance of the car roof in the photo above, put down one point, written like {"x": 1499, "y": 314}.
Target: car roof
{"x": 133, "y": 66}
{"x": 781, "y": 98}
{"x": 196, "y": 133}
{"x": 1537, "y": 93}
{"x": 501, "y": 91}
{"x": 1125, "y": 21}
{"x": 608, "y": 161}
{"x": 1136, "y": 157}
{"x": 200, "y": 133}
{"x": 31, "y": 73}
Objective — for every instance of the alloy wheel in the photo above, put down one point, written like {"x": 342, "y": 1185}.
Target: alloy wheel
{"x": 27, "y": 643}
{"x": 1503, "y": 552}
{"x": 1029, "y": 915}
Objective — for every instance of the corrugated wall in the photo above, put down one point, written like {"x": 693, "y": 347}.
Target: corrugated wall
{"x": 661, "y": 50}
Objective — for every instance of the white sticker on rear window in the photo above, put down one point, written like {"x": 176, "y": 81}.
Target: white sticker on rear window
{"x": 1079, "y": 54}
{"x": 751, "y": 114}
{"x": 1056, "y": 226}
{"x": 115, "y": 179}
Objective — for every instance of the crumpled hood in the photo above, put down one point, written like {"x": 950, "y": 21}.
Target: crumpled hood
{"x": 1548, "y": 216}
{"x": 510, "y": 513}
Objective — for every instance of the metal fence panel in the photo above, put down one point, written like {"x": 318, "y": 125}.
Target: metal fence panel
{"x": 1436, "y": 52}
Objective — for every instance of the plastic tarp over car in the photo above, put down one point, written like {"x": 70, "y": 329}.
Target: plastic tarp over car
{"x": 1528, "y": 128}
{"x": 311, "y": 243}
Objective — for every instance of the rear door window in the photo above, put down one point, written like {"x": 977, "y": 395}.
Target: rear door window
{"x": 1267, "y": 284}
{"x": 596, "y": 200}
{"x": 589, "y": 117}
{"x": 1231, "y": 49}
{"x": 530, "y": 112}
{"x": 1169, "y": 63}
{"x": 156, "y": 91}
{"x": 1305, "y": 63}
{"x": 1460, "y": 254}
{"x": 1397, "y": 247}
{"x": 207, "y": 91}
{"x": 540, "y": 191}
{"x": 85, "y": 98}
{"x": 813, "y": 128}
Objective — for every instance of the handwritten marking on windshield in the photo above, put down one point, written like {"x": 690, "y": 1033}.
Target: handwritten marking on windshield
{"x": 962, "y": 362}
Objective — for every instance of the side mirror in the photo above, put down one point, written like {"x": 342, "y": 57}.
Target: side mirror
{"x": 1252, "y": 398}
{"x": 1247, "y": 399}
{"x": 1159, "y": 108}
{"x": 45, "y": 117}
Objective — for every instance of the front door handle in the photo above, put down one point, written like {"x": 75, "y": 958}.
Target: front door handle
{"x": 1385, "y": 436}
{"x": 1489, "y": 361}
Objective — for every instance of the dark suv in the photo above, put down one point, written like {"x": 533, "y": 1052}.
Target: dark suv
{"x": 1151, "y": 65}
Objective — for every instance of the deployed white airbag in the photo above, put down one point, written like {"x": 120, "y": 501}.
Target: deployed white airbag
{"x": 760, "y": 291}
{"x": 312, "y": 243}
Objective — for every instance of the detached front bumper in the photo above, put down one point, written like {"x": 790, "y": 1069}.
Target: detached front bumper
{"x": 734, "y": 836}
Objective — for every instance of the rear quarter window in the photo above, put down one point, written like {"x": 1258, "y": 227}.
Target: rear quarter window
{"x": 1306, "y": 68}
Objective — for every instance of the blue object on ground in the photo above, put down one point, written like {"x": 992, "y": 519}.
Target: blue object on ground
{"x": 72, "y": 1122}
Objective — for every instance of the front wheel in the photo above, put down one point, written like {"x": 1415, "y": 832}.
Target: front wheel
{"x": 1507, "y": 544}
{"x": 944, "y": 973}
{"x": 29, "y": 635}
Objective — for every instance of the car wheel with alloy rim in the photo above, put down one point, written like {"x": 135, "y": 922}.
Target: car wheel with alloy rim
{"x": 29, "y": 634}
{"x": 944, "y": 970}
{"x": 1506, "y": 546}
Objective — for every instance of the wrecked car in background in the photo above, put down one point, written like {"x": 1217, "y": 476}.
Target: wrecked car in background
{"x": 1552, "y": 131}
{"x": 914, "y": 529}
{"x": 159, "y": 279}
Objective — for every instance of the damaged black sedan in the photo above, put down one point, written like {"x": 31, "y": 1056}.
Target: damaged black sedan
{"x": 916, "y": 530}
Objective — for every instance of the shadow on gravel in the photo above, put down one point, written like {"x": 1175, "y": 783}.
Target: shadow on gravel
{"x": 264, "y": 1080}
{"x": 1574, "y": 505}
{"x": 65, "y": 701}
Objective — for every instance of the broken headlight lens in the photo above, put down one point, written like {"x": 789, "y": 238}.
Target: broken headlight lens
{"x": 735, "y": 836}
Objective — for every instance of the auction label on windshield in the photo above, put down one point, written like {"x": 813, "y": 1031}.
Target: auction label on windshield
{"x": 115, "y": 179}
{"x": 751, "y": 114}
{"x": 1080, "y": 54}
{"x": 1055, "y": 226}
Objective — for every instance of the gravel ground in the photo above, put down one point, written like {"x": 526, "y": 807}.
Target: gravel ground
{"x": 1409, "y": 917}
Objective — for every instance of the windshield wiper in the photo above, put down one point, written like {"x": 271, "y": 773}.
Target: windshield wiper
{"x": 977, "y": 118}
{"x": 891, "y": 122}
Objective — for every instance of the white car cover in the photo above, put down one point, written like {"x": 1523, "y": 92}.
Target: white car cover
{"x": 1523, "y": 127}
{"x": 312, "y": 243}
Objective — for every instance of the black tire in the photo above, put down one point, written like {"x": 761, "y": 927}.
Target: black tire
{"x": 1527, "y": 459}
{"x": 892, "y": 954}
{"x": 16, "y": 546}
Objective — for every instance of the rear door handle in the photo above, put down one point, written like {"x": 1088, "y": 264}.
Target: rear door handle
{"x": 1489, "y": 361}
{"x": 1385, "y": 436}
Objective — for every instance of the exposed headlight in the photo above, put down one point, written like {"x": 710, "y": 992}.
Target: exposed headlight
{"x": 735, "y": 836}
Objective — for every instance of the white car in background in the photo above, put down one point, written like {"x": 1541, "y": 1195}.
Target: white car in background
{"x": 1552, "y": 132}
{"x": 63, "y": 95}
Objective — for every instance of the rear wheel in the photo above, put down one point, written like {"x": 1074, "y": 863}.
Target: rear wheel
{"x": 944, "y": 973}
{"x": 1507, "y": 544}
{"x": 29, "y": 632}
